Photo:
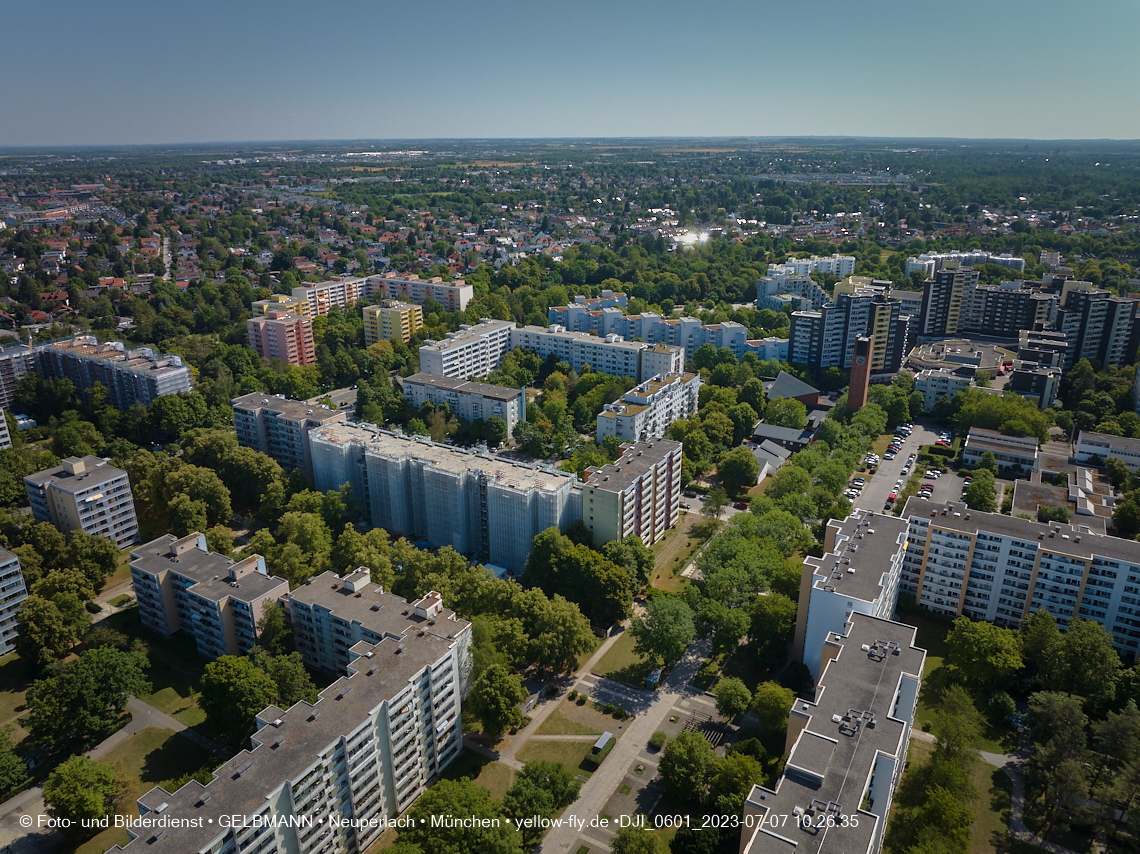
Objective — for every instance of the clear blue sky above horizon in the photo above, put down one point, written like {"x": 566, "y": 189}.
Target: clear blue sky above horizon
{"x": 127, "y": 72}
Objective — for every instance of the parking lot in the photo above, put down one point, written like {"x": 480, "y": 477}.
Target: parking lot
{"x": 874, "y": 495}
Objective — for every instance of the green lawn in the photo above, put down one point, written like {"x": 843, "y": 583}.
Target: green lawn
{"x": 121, "y": 601}
{"x": 122, "y": 570}
{"x": 496, "y": 778}
{"x": 176, "y": 668}
{"x": 571, "y": 754}
{"x": 585, "y": 656}
{"x": 623, "y": 664}
{"x": 558, "y": 724}
{"x": 14, "y": 682}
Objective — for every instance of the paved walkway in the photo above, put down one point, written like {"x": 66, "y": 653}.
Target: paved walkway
{"x": 597, "y": 791}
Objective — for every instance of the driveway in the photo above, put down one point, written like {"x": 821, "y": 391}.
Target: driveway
{"x": 651, "y": 708}
{"x": 879, "y": 487}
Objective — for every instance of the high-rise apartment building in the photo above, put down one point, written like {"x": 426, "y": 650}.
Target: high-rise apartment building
{"x": 1005, "y": 310}
{"x": 846, "y": 749}
{"x": 284, "y": 336}
{"x": 85, "y": 494}
{"x": 453, "y": 296}
{"x": 338, "y": 292}
{"x": 999, "y": 568}
{"x": 639, "y": 494}
{"x": 182, "y": 586}
{"x": 783, "y": 283}
{"x": 945, "y": 299}
{"x": 589, "y": 314}
{"x": 647, "y": 410}
{"x": 468, "y": 400}
{"x": 472, "y": 351}
{"x": 13, "y": 592}
{"x": 16, "y": 360}
{"x": 392, "y": 320}
{"x": 478, "y": 504}
{"x": 839, "y": 266}
{"x": 931, "y": 263}
{"x": 279, "y": 427}
{"x": 610, "y": 355}
{"x": 326, "y": 777}
{"x": 826, "y": 338}
{"x": 1098, "y": 326}
{"x": 130, "y": 376}
{"x": 279, "y": 302}
{"x": 5, "y": 432}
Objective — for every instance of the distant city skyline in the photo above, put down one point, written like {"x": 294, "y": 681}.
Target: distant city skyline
{"x": 134, "y": 73}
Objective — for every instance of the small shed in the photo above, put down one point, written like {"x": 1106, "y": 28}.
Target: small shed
{"x": 604, "y": 739}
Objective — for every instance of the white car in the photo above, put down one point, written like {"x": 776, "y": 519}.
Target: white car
{"x": 934, "y": 473}
{"x": 906, "y": 470}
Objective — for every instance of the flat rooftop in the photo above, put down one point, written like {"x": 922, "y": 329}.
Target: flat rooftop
{"x": 865, "y": 544}
{"x": 380, "y": 612}
{"x": 443, "y": 457}
{"x": 210, "y": 571}
{"x": 293, "y": 410}
{"x": 289, "y": 750}
{"x": 140, "y": 360}
{"x": 494, "y": 392}
{"x": 95, "y": 470}
{"x": 848, "y": 725}
{"x": 471, "y": 333}
{"x": 634, "y": 462}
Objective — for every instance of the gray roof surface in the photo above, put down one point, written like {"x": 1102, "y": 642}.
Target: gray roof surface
{"x": 208, "y": 569}
{"x": 785, "y": 385}
{"x": 867, "y": 543}
{"x": 857, "y": 681}
{"x": 295, "y": 410}
{"x": 97, "y": 470}
{"x": 781, "y": 434}
{"x": 635, "y": 461}
{"x": 495, "y": 392}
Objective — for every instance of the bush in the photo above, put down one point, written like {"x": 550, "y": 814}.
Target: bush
{"x": 581, "y": 699}
{"x": 657, "y": 740}
{"x": 573, "y": 695}
{"x": 1000, "y": 706}
{"x": 798, "y": 678}
{"x": 609, "y": 707}
{"x": 595, "y": 759}
{"x": 92, "y": 607}
{"x": 620, "y": 713}
{"x": 939, "y": 450}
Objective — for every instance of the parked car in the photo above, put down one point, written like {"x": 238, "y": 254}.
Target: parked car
{"x": 906, "y": 470}
{"x": 685, "y": 505}
{"x": 740, "y": 505}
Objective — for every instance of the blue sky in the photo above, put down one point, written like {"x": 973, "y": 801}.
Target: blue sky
{"x": 123, "y": 71}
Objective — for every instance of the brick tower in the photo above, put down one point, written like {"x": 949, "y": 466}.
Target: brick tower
{"x": 860, "y": 374}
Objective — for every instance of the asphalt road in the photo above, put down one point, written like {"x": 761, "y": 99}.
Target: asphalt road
{"x": 875, "y": 494}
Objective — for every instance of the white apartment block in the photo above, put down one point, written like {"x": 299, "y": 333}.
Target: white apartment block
{"x": 780, "y": 283}
{"x": 323, "y": 778}
{"x": 1098, "y": 447}
{"x": 182, "y": 586}
{"x": 931, "y": 262}
{"x": 937, "y": 383}
{"x": 479, "y": 504}
{"x": 999, "y": 568}
{"x": 846, "y": 749}
{"x": 859, "y": 572}
{"x": 771, "y": 348}
{"x": 130, "y": 376}
{"x": 88, "y": 495}
{"x": 473, "y": 351}
{"x": 340, "y": 292}
{"x": 609, "y": 355}
{"x": 1009, "y": 451}
{"x": 647, "y": 410}
{"x": 589, "y": 314}
{"x": 5, "y": 432}
{"x": 13, "y": 592}
{"x": 840, "y": 266}
{"x": 468, "y": 400}
{"x": 453, "y": 296}
{"x": 637, "y": 495}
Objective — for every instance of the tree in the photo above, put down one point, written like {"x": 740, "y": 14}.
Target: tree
{"x": 786, "y": 412}
{"x": 1117, "y": 470}
{"x": 634, "y": 840}
{"x": 1085, "y": 662}
{"x": 989, "y": 462}
{"x": 43, "y": 635}
{"x": 13, "y": 771}
{"x": 234, "y": 690}
{"x": 94, "y": 556}
{"x": 289, "y": 675}
{"x": 558, "y": 631}
{"x": 686, "y": 766}
{"x": 494, "y": 699}
{"x": 632, "y": 555}
{"x": 542, "y": 788}
{"x": 984, "y": 654}
{"x": 732, "y": 697}
{"x": 273, "y": 633}
{"x": 459, "y": 798}
{"x": 1039, "y": 636}
{"x": 790, "y": 480}
{"x": 87, "y": 695}
{"x": 958, "y": 725}
{"x": 738, "y": 470}
{"x": 714, "y": 505}
{"x": 733, "y": 778}
{"x": 773, "y": 618}
{"x": 80, "y": 789}
{"x": 980, "y": 492}
{"x": 772, "y": 703}
{"x": 666, "y": 629}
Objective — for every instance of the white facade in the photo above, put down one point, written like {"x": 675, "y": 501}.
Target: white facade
{"x": 319, "y": 298}
{"x": 647, "y": 410}
{"x": 1092, "y": 447}
{"x": 637, "y": 495}
{"x": 476, "y": 503}
{"x": 12, "y": 595}
{"x": 936, "y": 384}
{"x": 88, "y": 495}
{"x": 453, "y": 296}
{"x": 930, "y": 263}
{"x": 840, "y": 266}
{"x": 468, "y": 400}
{"x": 768, "y": 348}
{"x": 473, "y": 351}
{"x": 781, "y": 282}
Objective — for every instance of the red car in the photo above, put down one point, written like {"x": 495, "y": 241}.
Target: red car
{"x": 740, "y": 505}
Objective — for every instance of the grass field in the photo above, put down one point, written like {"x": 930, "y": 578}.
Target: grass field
{"x": 122, "y": 570}
{"x": 673, "y": 552}
{"x": 570, "y": 754}
{"x": 623, "y": 664}
{"x": 558, "y": 724}
{"x": 14, "y": 684}
{"x": 153, "y": 756}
